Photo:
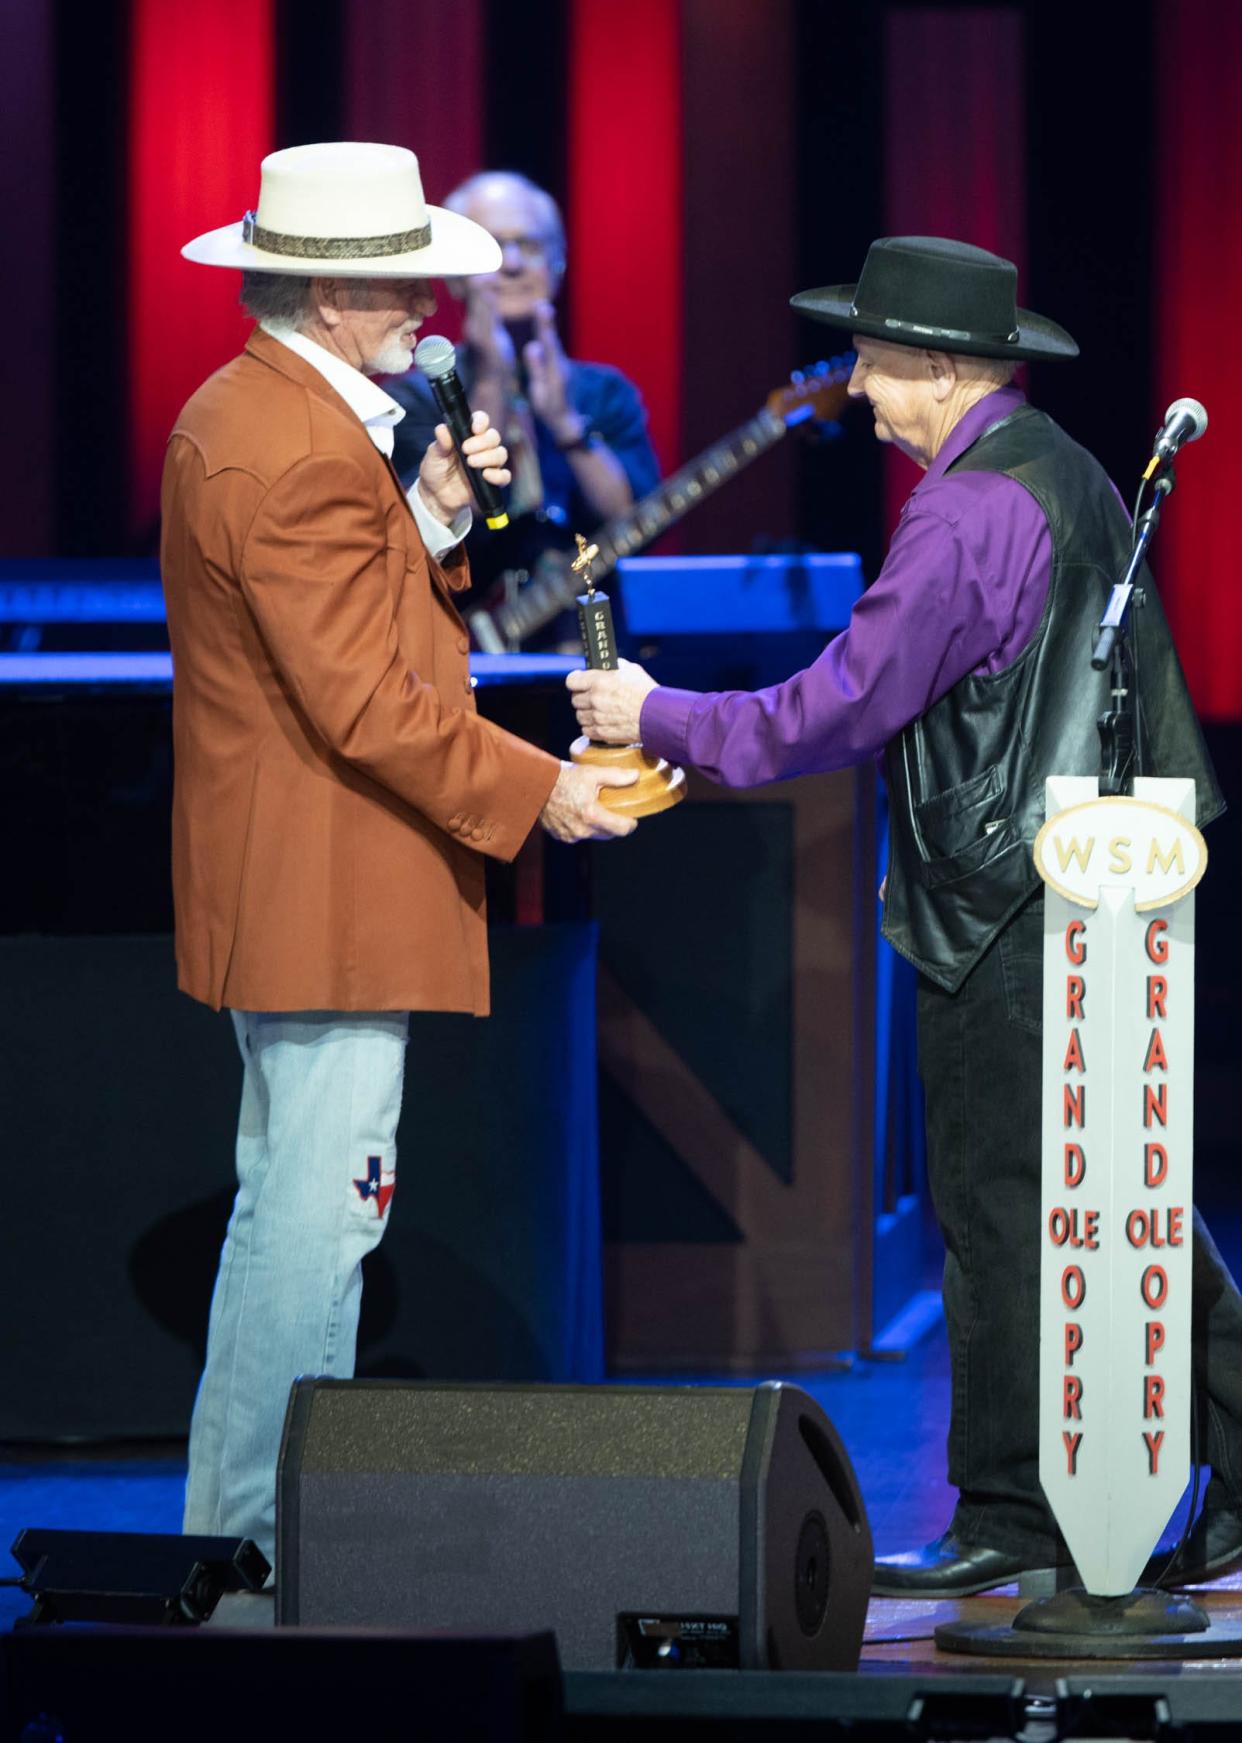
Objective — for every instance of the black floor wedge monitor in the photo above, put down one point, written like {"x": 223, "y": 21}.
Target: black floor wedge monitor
{"x": 647, "y": 1526}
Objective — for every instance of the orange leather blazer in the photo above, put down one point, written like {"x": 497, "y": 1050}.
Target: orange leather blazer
{"x": 334, "y": 785}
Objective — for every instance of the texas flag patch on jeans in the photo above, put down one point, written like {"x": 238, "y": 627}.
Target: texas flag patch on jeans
{"x": 377, "y": 1186}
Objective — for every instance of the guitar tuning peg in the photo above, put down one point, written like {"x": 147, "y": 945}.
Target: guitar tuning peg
{"x": 798, "y": 377}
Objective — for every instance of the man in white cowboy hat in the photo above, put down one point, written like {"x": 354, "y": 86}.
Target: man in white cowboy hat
{"x": 336, "y": 791}
{"x": 966, "y": 664}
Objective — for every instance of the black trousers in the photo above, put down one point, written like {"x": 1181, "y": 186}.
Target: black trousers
{"x": 980, "y": 1058}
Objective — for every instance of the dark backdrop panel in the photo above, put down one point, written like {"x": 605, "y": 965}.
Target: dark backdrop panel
{"x": 27, "y": 152}
{"x": 120, "y": 1101}
{"x": 837, "y": 200}
{"x": 87, "y": 362}
{"x": 1093, "y": 127}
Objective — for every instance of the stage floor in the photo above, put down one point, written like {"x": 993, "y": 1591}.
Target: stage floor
{"x": 892, "y": 1416}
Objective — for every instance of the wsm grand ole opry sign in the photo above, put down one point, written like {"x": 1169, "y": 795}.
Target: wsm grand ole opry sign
{"x": 1117, "y": 1166}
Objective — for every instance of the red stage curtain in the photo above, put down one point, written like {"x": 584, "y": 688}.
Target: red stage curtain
{"x": 625, "y": 198}
{"x": 739, "y": 253}
{"x": 27, "y": 152}
{"x": 954, "y": 142}
{"x": 414, "y": 76}
{"x": 201, "y": 108}
{"x": 1198, "y": 283}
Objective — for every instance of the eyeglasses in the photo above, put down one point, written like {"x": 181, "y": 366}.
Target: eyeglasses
{"x": 529, "y": 247}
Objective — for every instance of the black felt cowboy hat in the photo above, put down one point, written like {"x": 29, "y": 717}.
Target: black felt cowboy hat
{"x": 939, "y": 295}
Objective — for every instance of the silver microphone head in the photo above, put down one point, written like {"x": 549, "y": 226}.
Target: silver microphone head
{"x": 435, "y": 356}
{"x": 1189, "y": 415}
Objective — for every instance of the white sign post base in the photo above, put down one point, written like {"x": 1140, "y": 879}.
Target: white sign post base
{"x": 1118, "y": 1136}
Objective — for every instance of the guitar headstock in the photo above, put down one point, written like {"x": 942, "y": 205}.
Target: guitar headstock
{"x": 816, "y": 394}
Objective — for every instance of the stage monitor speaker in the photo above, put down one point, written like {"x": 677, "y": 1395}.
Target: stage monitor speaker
{"x": 646, "y": 1526}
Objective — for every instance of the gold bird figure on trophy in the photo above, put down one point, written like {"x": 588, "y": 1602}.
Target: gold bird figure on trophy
{"x": 659, "y": 785}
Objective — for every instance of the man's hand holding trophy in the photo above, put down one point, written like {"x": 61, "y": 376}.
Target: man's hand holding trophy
{"x": 608, "y": 699}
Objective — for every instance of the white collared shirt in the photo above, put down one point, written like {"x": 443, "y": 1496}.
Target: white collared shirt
{"x": 379, "y": 414}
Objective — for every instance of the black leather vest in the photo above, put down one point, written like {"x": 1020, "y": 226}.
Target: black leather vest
{"x": 966, "y": 779}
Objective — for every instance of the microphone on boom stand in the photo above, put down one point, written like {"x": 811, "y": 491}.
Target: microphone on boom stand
{"x": 1185, "y": 421}
{"x": 1121, "y": 752}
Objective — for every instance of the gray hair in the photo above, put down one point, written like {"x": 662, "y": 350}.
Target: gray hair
{"x": 994, "y": 371}
{"x": 551, "y": 224}
{"x": 282, "y": 299}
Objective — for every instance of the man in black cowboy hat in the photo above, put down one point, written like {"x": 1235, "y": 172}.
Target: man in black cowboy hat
{"x": 966, "y": 662}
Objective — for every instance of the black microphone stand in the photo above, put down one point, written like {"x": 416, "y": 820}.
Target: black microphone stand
{"x": 1119, "y": 727}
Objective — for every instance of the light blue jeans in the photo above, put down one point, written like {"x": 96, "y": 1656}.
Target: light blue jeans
{"x": 316, "y": 1165}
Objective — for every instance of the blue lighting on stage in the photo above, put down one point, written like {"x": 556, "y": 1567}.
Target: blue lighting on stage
{"x": 782, "y": 593}
{"x": 81, "y": 602}
{"x": 154, "y": 670}
{"x": 81, "y": 590}
{"x": 37, "y": 594}
{"x": 663, "y": 595}
{"x": 149, "y": 669}
{"x": 522, "y": 668}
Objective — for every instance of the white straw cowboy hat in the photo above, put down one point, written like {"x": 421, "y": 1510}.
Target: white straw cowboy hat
{"x": 347, "y": 210}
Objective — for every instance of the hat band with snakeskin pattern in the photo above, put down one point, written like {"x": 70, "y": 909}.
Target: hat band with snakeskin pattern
{"x": 334, "y": 247}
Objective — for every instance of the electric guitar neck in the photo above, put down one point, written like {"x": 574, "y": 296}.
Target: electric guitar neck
{"x": 815, "y": 395}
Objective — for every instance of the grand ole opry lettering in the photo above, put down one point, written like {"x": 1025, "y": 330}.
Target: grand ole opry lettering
{"x": 1117, "y": 1173}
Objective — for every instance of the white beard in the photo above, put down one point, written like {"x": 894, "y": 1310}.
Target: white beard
{"x": 393, "y": 359}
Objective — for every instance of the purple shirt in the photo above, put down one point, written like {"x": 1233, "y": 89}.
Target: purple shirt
{"x": 962, "y": 590}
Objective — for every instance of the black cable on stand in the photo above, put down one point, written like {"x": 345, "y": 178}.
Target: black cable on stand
{"x": 1120, "y": 727}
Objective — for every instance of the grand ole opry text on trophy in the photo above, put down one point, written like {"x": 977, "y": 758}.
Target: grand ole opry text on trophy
{"x": 659, "y": 785}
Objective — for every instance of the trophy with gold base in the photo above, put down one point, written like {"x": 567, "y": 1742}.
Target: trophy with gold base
{"x": 659, "y": 785}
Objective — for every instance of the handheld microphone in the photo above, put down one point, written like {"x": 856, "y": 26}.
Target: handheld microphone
{"x": 1185, "y": 421}
{"x": 438, "y": 361}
